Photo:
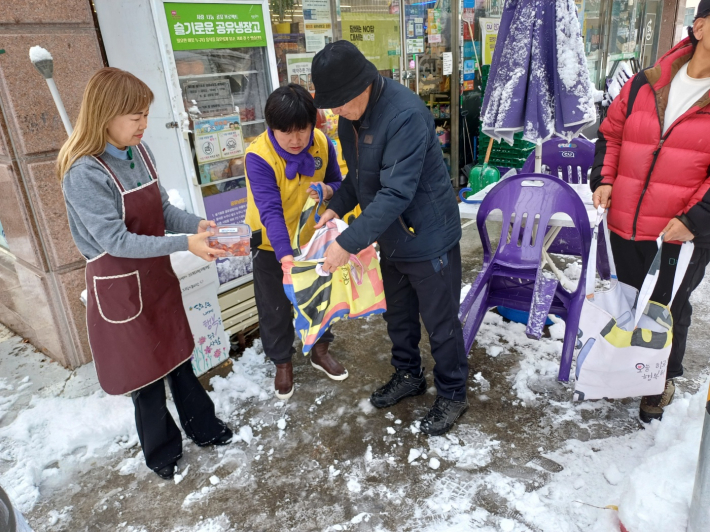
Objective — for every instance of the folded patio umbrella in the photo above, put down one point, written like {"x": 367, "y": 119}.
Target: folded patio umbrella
{"x": 539, "y": 82}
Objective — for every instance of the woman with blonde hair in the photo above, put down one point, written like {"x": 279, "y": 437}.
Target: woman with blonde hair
{"x": 118, "y": 213}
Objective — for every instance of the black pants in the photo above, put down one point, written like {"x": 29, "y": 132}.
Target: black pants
{"x": 633, "y": 260}
{"x": 159, "y": 436}
{"x": 275, "y": 310}
{"x": 431, "y": 289}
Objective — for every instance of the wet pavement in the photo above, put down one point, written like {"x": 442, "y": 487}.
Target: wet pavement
{"x": 327, "y": 460}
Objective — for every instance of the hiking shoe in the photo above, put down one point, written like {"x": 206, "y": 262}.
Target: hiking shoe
{"x": 225, "y": 438}
{"x": 402, "y": 384}
{"x": 442, "y": 416}
{"x": 652, "y": 405}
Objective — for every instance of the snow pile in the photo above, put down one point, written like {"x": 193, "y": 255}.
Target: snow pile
{"x": 539, "y": 359}
{"x": 37, "y": 53}
{"x": 53, "y": 434}
{"x": 467, "y": 447}
{"x": 248, "y": 380}
{"x": 657, "y": 492}
{"x": 648, "y": 474}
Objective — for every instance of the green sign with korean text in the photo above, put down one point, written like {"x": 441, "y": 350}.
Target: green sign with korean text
{"x": 207, "y": 26}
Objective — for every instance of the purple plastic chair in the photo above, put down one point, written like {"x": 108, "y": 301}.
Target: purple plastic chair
{"x": 571, "y": 162}
{"x": 512, "y": 277}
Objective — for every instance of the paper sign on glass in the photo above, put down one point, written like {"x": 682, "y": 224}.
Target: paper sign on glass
{"x": 231, "y": 143}
{"x": 448, "y": 63}
{"x": 207, "y": 148}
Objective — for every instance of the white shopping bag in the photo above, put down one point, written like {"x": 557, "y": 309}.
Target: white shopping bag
{"x": 624, "y": 338}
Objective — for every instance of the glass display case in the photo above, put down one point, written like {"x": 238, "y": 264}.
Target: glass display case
{"x": 224, "y": 83}
{"x": 224, "y": 70}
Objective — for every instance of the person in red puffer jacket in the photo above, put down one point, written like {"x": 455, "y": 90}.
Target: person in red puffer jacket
{"x": 653, "y": 159}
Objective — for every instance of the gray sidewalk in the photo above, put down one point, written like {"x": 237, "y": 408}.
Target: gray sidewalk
{"x": 326, "y": 460}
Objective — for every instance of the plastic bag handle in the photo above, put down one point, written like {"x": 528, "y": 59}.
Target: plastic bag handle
{"x": 649, "y": 283}
{"x": 318, "y": 187}
{"x": 590, "y": 281}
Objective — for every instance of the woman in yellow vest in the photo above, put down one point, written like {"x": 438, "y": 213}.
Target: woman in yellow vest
{"x": 281, "y": 165}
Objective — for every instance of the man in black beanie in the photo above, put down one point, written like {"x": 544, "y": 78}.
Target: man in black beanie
{"x": 396, "y": 172}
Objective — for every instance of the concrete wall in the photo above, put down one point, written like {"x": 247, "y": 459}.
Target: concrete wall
{"x": 41, "y": 281}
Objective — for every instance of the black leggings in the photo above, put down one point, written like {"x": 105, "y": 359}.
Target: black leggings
{"x": 633, "y": 260}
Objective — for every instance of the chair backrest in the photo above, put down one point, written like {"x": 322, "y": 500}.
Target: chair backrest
{"x": 570, "y": 161}
{"x": 531, "y": 199}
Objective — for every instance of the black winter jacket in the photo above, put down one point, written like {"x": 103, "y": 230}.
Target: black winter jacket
{"x": 396, "y": 172}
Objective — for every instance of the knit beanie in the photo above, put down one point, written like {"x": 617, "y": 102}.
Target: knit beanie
{"x": 340, "y": 73}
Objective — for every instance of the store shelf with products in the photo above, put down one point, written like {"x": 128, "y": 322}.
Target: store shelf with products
{"x": 224, "y": 181}
{"x": 224, "y": 92}
{"x": 198, "y": 76}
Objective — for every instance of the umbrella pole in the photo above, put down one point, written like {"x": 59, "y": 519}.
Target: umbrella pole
{"x": 699, "y": 518}
{"x": 538, "y": 158}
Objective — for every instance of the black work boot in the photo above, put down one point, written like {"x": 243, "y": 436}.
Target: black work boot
{"x": 442, "y": 416}
{"x": 402, "y": 384}
{"x": 652, "y": 405}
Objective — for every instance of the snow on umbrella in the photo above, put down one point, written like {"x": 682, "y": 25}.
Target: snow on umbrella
{"x": 539, "y": 83}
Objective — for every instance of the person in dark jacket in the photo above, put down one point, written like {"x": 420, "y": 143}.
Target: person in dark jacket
{"x": 396, "y": 173}
{"x": 653, "y": 158}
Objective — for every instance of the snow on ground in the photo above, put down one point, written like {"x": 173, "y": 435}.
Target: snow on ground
{"x": 648, "y": 473}
{"x": 39, "y": 444}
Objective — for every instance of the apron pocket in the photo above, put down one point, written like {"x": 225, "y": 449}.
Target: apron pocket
{"x": 119, "y": 297}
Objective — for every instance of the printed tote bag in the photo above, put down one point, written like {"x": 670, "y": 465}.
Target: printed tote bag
{"x": 624, "y": 338}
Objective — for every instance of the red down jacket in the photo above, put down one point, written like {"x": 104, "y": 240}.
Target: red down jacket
{"x": 655, "y": 178}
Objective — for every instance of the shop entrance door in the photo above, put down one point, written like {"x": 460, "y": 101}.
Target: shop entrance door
{"x": 619, "y": 30}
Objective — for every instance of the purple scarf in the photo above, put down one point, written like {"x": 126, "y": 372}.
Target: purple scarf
{"x": 301, "y": 163}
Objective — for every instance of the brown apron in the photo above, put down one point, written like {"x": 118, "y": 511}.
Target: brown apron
{"x": 138, "y": 330}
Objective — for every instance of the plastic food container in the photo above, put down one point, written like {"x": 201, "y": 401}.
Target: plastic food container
{"x": 235, "y": 239}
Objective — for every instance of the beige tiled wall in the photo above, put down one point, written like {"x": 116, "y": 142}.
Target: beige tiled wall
{"x": 41, "y": 281}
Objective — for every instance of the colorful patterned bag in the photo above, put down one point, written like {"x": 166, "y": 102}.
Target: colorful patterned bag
{"x": 320, "y": 299}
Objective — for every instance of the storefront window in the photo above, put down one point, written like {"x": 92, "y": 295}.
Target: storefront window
{"x": 591, "y": 21}
{"x": 429, "y": 63}
{"x": 623, "y": 30}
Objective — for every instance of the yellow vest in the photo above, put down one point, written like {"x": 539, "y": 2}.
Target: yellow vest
{"x": 294, "y": 192}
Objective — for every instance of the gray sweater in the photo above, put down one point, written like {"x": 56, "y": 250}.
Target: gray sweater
{"x": 94, "y": 208}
